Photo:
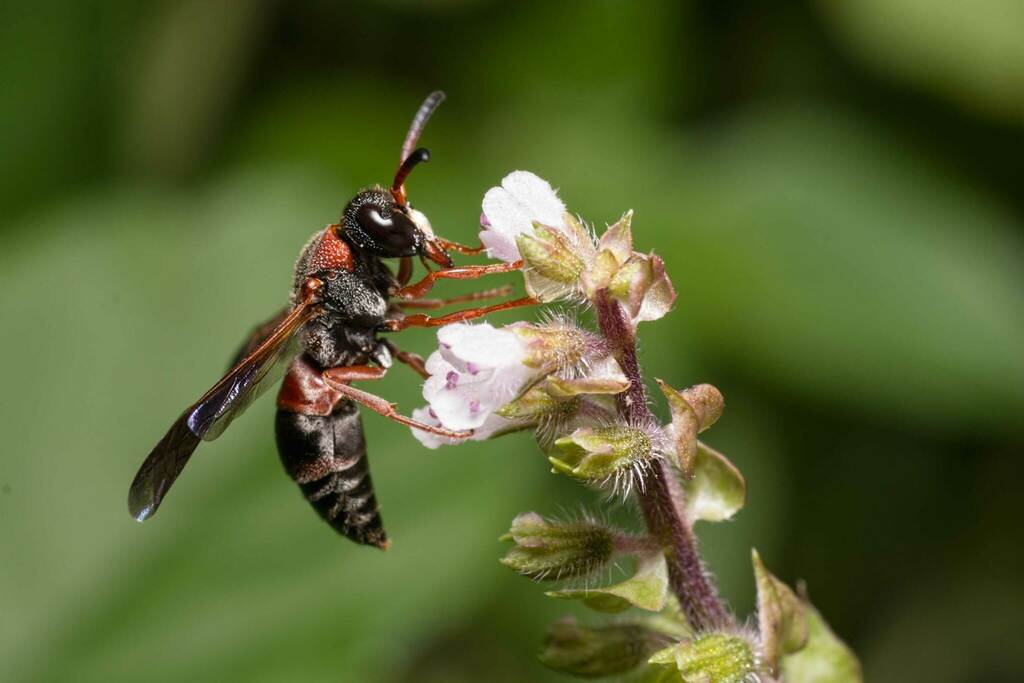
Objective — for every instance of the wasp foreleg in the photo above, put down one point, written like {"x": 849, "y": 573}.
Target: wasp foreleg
{"x": 495, "y": 293}
{"x": 419, "y": 289}
{"x": 421, "y": 320}
{"x": 338, "y": 378}
{"x": 460, "y": 248}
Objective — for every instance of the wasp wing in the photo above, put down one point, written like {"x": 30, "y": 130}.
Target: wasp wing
{"x": 207, "y": 418}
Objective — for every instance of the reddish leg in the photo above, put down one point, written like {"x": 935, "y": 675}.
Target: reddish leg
{"x": 417, "y": 290}
{"x": 421, "y": 320}
{"x": 460, "y": 248}
{"x": 338, "y": 379}
{"x": 495, "y": 293}
{"x": 413, "y": 360}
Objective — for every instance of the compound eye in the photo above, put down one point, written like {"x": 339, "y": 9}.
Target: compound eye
{"x": 396, "y": 235}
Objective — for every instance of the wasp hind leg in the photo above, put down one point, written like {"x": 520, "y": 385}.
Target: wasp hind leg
{"x": 321, "y": 444}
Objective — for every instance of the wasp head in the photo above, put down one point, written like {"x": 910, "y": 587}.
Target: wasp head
{"x": 384, "y": 223}
{"x": 376, "y": 222}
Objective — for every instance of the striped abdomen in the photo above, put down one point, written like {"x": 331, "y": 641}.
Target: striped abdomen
{"x": 326, "y": 456}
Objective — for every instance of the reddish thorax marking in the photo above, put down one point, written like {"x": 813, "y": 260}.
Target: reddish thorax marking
{"x": 304, "y": 390}
{"x": 331, "y": 253}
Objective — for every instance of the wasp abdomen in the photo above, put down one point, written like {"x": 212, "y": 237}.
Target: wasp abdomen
{"x": 326, "y": 456}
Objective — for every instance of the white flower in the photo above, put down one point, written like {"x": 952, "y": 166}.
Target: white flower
{"x": 511, "y": 210}
{"x": 476, "y": 370}
{"x": 494, "y": 423}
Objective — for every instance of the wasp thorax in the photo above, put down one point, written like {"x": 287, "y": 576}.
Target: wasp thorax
{"x": 373, "y": 221}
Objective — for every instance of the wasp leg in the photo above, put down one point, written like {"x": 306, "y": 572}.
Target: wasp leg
{"x": 338, "y": 378}
{"x": 413, "y": 360}
{"x": 421, "y": 320}
{"x": 462, "y": 273}
{"x": 460, "y": 248}
{"x": 495, "y": 293}
{"x": 321, "y": 444}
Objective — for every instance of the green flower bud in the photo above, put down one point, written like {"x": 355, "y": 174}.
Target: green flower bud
{"x": 713, "y": 657}
{"x": 538, "y": 404}
{"x": 550, "y": 254}
{"x": 593, "y": 652}
{"x": 557, "y": 550}
{"x": 557, "y": 345}
{"x": 604, "y": 454}
{"x": 562, "y": 389}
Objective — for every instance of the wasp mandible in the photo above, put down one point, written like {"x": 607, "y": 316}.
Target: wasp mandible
{"x": 343, "y": 297}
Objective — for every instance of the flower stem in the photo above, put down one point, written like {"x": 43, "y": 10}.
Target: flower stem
{"x": 659, "y": 495}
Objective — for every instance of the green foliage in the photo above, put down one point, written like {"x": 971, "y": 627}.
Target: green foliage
{"x": 851, "y": 248}
{"x": 782, "y": 623}
{"x": 825, "y": 659}
{"x": 646, "y": 589}
{"x": 717, "y": 490}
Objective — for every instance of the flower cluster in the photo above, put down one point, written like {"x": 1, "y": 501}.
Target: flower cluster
{"x": 582, "y": 394}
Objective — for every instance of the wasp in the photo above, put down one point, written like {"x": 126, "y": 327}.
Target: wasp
{"x": 344, "y": 298}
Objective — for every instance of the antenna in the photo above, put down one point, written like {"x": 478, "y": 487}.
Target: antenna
{"x": 419, "y": 122}
{"x": 411, "y": 158}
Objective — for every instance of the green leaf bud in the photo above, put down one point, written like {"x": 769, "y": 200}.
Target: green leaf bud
{"x": 593, "y": 652}
{"x": 547, "y": 550}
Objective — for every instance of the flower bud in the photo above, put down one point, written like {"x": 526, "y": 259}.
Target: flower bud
{"x": 550, "y": 254}
{"x": 599, "y": 273}
{"x": 643, "y": 287}
{"x": 593, "y": 652}
{"x": 557, "y": 345}
{"x": 718, "y": 657}
{"x": 618, "y": 238}
{"x": 602, "y": 454}
{"x": 561, "y": 388}
{"x": 693, "y": 410}
{"x": 557, "y": 550}
{"x": 538, "y": 404}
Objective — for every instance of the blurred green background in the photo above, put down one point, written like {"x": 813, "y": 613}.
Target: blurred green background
{"x": 836, "y": 188}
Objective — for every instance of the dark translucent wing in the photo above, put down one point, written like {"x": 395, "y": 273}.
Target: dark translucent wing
{"x": 259, "y": 335}
{"x": 208, "y": 417}
{"x": 249, "y": 380}
{"x": 160, "y": 469}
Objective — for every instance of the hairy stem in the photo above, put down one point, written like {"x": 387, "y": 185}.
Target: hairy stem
{"x": 659, "y": 495}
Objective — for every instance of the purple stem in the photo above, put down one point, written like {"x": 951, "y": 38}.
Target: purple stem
{"x": 660, "y": 495}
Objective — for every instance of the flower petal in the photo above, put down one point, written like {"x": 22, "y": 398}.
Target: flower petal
{"x": 472, "y": 348}
{"x": 511, "y": 210}
{"x": 429, "y": 439}
{"x": 492, "y": 425}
